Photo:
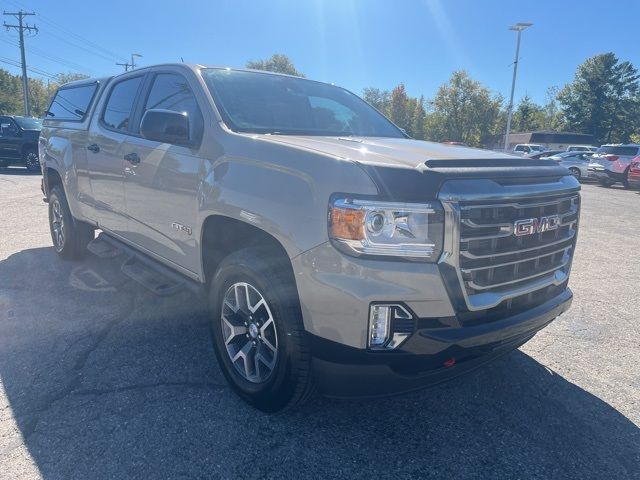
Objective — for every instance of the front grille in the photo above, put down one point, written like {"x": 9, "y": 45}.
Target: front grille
{"x": 498, "y": 270}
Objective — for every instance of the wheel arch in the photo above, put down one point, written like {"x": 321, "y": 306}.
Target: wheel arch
{"x": 222, "y": 235}
{"x": 29, "y": 146}
{"x": 52, "y": 178}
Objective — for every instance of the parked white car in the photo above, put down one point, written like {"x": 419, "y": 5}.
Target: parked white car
{"x": 527, "y": 148}
{"x": 581, "y": 148}
{"x": 576, "y": 162}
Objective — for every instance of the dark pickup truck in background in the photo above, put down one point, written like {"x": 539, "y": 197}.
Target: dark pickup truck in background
{"x": 19, "y": 141}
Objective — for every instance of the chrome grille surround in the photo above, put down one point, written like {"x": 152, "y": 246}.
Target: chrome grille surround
{"x": 491, "y": 264}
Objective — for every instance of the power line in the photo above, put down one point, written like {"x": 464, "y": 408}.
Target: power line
{"x": 38, "y": 71}
{"x": 21, "y": 28}
{"x": 75, "y": 45}
{"x": 53, "y": 58}
{"x": 86, "y": 43}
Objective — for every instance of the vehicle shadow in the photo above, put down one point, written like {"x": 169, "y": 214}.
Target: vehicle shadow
{"x": 104, "y": 380}
{"x": 17, "y": 170}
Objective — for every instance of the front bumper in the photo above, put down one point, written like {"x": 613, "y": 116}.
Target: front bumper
{"x": 602, "y": 174}
{"x": 344, "y": 371}
{"x": 634, "y": 180}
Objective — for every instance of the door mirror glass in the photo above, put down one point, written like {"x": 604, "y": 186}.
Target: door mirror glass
{"x": 165, "y": 126}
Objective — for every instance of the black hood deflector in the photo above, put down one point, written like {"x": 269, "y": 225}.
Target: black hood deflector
{"x": 423, "y": 183}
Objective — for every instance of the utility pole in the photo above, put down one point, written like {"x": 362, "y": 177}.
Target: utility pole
{"x": 125, "y": 65}
{"x": 21, "y": 28}
{"x": 133, "y": 63}
{"x": 518, "y": 27}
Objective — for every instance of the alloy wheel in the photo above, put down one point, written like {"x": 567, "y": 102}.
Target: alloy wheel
{"x": 57, "y": 225}
{"x": 575, "y": 172}
{"x": 249, "y": 332}
{"x": 32, "y": 162}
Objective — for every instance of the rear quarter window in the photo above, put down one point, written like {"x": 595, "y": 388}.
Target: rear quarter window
{"x": 71, "y": 103}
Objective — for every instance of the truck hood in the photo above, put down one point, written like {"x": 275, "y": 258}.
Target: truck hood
{"x": 398, "y": 152}
{"x": 411, "y": 170}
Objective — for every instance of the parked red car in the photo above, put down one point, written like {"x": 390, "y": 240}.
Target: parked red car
{"x": 634, "y": 173}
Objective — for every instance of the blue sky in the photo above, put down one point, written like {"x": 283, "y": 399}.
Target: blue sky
{"x": 353, "y": 43}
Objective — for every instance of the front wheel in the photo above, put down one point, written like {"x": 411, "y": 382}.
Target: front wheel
{"x": 70, "y": 238}
{"x": 256, "y": 324}
{"x": 31, "y": 160}
{"x": 575, "y": 172}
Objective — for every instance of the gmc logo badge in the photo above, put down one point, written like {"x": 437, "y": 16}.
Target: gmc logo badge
{"x": 529, "y": 226}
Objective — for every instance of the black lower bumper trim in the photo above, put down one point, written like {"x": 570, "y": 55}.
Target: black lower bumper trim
{"x": 429, "y": 356}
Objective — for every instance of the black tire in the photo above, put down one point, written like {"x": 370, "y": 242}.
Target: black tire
{"x": 625, "y": 178}
{"x": 575, "y": 172}
{"x": 31, "y": 159}
{"x": 75, "y": 235}
{"x": 290, "y": 381}
{"x": 605, "y": 183}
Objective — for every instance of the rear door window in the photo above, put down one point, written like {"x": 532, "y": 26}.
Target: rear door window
{"x": 71, "y": 103}
{"x": 119, "y": 108}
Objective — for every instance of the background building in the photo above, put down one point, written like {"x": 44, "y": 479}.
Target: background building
{"x": 548, "y": 139}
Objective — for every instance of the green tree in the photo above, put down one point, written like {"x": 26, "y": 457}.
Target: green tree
{"x": 63, "y": 78}
{"x": 10, "y": 93}
{"x": 553, "y": 117}
{"x": 603, "y": 99}
{"x": 418, "y": 119}
{"x": 528, "y": 116}
{"x": 277, "y": 63}
{"x": 380, "y": 99}
{"x": 399, "y": 111}
{"x": 464, "y": 111}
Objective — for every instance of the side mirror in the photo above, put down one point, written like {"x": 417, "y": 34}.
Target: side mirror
{"x": 166, "y": 126}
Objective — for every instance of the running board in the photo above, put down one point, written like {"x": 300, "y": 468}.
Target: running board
{"x": 151, "y": 278}
{"x": 102, "y": 247}
{"x": 148, "y": 272}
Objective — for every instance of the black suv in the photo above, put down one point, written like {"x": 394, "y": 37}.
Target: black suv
{"x": 19, "y": 141}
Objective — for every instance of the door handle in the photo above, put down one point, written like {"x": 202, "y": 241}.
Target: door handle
{"x": 94, "y": 147}
{"x": 132, "y": 157}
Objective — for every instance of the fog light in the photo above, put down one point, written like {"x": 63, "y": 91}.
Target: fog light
{"x": 379, "y": 323}
{"x": 389, "y": 326}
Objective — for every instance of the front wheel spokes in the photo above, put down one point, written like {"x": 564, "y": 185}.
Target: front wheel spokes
{"x": 249, "y": 332}
{"x": 232, "y": 331}
{"x": 268, "y": 332}
{"x": 244, "y": 355}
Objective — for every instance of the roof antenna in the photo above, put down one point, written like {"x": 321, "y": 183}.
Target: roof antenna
{"x": 182, "y": 59}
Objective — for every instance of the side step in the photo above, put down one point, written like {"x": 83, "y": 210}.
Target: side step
{"x": 148, "y": 276}
{"x": 102, "y": 247}
{"x": 145, "y": 270}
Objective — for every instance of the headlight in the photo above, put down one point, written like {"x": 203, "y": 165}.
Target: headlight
{"x": 367, "y": 227}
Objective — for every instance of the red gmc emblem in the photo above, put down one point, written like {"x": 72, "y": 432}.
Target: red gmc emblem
{"x": 529, "y": 226}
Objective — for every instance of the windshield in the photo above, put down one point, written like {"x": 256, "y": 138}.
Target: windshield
{"x": 261, "y": 103}
{"x": 617, "y": 150}
{"x": 27, "y": 123}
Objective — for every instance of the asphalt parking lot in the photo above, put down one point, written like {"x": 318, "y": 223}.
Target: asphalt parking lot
{"x": 100, "y": 379}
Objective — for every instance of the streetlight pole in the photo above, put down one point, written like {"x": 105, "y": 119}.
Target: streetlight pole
{"x": 518, "y": 27}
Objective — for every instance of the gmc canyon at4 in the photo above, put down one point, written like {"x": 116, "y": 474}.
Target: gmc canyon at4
{"x": 337, "y": 254}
